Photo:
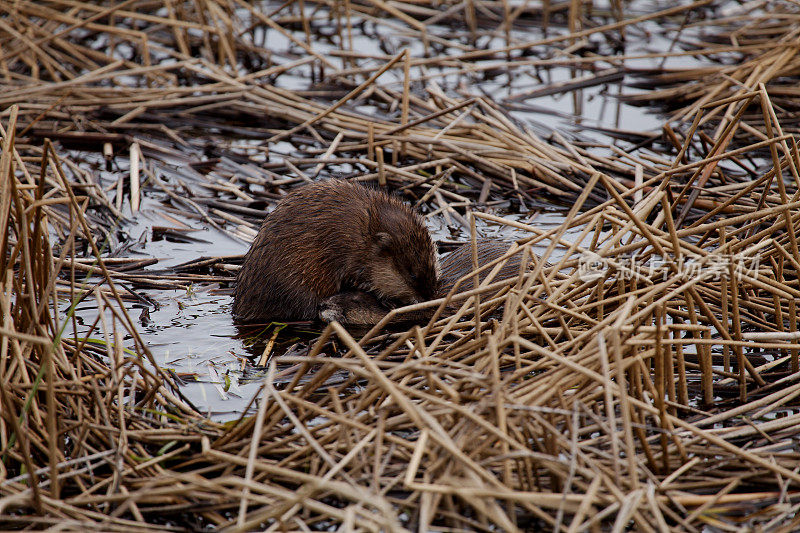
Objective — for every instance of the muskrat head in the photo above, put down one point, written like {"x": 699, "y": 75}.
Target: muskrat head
{"x": 403, "y": 266}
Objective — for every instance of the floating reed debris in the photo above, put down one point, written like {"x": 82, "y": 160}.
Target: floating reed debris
{"x": 640, "y": 372}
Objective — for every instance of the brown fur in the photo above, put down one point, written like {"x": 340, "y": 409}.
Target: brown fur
{"x": 359, "y": 308}
{"x": 332, "y": 237}
{"x": 459, "y": 263}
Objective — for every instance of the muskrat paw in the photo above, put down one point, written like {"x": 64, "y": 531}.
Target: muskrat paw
{"x": 330, "y": 310}
{"x": 352, "y": 307}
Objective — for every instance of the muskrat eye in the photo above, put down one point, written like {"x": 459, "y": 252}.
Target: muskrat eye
{"x": 413, "y": 277}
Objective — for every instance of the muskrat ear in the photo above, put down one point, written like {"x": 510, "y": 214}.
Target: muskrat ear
{"x": 383, "y": 241}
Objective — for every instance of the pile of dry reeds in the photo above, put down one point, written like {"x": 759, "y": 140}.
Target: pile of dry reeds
{"x": 640, "y": 373}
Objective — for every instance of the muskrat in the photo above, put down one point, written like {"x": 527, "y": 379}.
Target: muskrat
{"x": 360, "y": 308}
{"x": 459, "y": 263}
{"x": 330, "y": 238}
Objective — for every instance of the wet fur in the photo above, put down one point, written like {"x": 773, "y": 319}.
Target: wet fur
{"x": 459, "y": 263}
{"x": 360, "y": 308}
{"x": 329, "y": 238}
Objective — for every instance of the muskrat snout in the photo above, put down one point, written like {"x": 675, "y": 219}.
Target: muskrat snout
{"x": 405, "y": 268}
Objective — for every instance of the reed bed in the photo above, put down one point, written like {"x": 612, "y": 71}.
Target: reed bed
{"x": 640, "y": 372}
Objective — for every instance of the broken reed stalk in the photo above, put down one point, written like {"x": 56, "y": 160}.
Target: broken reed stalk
{"x": 594, "y": 388}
